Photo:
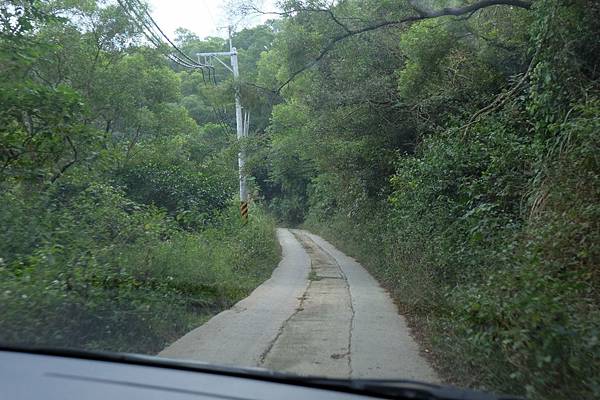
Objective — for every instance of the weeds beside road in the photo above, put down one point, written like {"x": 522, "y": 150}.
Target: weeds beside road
{"x": 106, "y": 273}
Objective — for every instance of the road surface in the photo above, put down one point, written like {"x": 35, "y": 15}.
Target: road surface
{"x": 320, "y": 313}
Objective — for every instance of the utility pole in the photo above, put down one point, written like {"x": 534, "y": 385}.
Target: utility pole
{"x": 242, "y": 121}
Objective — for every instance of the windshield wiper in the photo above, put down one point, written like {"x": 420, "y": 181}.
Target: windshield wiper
{"x": 382, "y": 388}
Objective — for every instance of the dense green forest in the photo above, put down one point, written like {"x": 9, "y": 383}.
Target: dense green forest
{"x": 453, "y": 148}
{"x": 119, "y": 221}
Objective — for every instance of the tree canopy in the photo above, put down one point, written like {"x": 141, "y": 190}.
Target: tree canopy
{"x": 451, "y": 146}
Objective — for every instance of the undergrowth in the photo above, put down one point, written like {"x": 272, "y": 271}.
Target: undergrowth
{"x": 104, "y": 272}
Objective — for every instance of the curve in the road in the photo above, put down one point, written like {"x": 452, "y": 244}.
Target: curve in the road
{"x": 240, "y": 335}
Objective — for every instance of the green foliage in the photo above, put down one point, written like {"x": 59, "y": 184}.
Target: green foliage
{"x": 118, "y": 231}
{"x": 289, "y": 166}
{"x": 456, "y": 157}
{"x": 191, "y": 197}
{"x": 40, "y": 127}
{"x": 39, "y": 124}
{"x": 508, "y": 291}
{"x": 104, "y": 272}
{"x": 483, "y": 224}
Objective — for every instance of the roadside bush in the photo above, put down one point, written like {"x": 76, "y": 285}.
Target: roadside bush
{"x": 487, "y": 233}
{"x": 498, "y": 264}
{"x": 100, "y": 271}
{"x": 192, "y": 197}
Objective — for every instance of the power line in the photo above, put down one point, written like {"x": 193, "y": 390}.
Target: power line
{"x": 141, "y": 20}
{"x": 142, "y": 26}
{"x": 133, "y": 8}
{"x": 145, "y": 10}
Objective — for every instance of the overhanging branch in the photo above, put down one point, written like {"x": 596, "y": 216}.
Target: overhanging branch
{"x": 422, "y": 14}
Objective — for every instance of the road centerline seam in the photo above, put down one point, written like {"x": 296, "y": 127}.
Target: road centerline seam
{"x": 347, "y": 284}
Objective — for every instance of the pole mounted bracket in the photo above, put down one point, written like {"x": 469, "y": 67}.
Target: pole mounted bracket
{"x": 215, "y": 55}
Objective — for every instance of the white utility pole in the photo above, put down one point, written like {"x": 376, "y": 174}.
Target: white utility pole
{"x": 242, "y": 122}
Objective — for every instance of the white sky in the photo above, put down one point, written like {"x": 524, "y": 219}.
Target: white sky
{"x": 200, "y": 16}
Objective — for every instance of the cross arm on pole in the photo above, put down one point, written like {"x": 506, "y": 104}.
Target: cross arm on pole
{"x": 216, "y": 55}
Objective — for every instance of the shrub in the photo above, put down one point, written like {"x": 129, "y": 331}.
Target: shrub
{"x": 193, "y": 198}
{"x": 96, "y": 270}
{"x": 497, "y": 263}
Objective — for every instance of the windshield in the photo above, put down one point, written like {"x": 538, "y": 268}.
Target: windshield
{"x": 349, "y": 189}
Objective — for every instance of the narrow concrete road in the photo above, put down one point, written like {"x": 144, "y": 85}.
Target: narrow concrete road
{"x": 320, "y": 313}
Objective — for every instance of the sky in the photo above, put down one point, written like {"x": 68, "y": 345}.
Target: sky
{"x": 203, "y": 17}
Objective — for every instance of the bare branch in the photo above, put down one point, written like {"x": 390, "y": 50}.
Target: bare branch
{"x": 332, "y": 44}
{"x": 501, "y": 99}
{"x": 327, "y": 11}
{"x": 456, "y": 11}
{"x": 333, "y": 17}
{"x": 422, "y": 14}
{"x": 417, "y": 8}
{"x": 133, "y": 142}
{"x": 68, "y": 164}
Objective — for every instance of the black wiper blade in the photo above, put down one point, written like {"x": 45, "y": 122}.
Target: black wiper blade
{"x": 407, "y": 389}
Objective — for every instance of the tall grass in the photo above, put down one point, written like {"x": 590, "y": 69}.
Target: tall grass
{"x": 105, "y": 273}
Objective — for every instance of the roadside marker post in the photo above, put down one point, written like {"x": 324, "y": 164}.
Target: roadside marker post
{"x": 244, "y": 212}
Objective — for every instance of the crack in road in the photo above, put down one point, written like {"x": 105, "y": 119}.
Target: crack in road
{"x": 303, "y": 238}
{"x": 317, "y": 337}
{"x": 305, "y": 320}
{"x": 300, "y": 308}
